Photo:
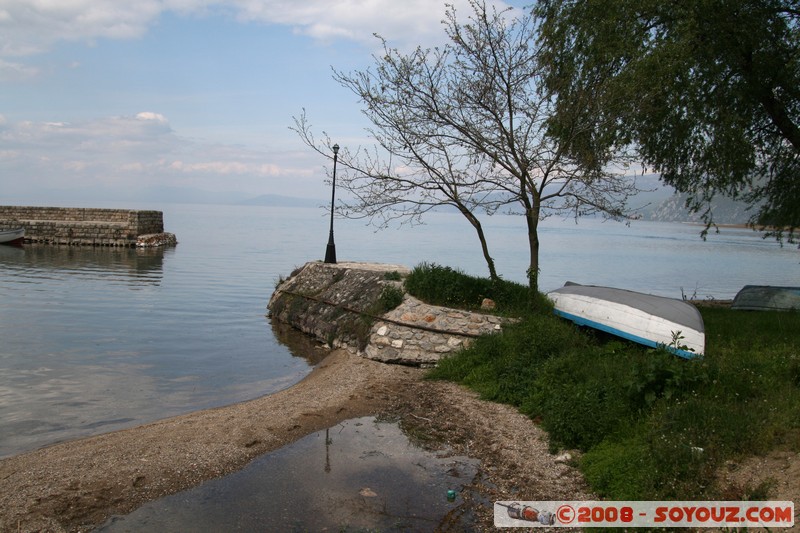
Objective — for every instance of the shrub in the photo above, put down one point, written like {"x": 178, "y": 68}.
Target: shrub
{"x": 389, "y": 298}
{"x": 445, "y": 286}
{"x": 394, "y": 275}
{"x": 360, "y": 325}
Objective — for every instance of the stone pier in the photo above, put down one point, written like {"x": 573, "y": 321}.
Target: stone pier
{"x": 331, "y": 302}
{"x": 88, "y": 226}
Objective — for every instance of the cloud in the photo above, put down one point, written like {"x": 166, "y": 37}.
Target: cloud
{"x": 32, "y": 27}
{"x": 222, "y": 168}
{"x": 112, "y": 135}
{"x": 13, "y": 71}
{"x": 28, "y": 28}
{"x": 142, "y": 148}
{"x": 137, "y": 151}
{"x": 351, "y": 19}
{"x": 156, "y": 117}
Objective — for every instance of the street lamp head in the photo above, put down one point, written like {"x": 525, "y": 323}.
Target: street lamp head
{"x": 335, "y": 149}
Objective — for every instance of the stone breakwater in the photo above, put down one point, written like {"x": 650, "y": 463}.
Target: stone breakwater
{"x": 332, "y": 302}
{"x": 88, "y": 226}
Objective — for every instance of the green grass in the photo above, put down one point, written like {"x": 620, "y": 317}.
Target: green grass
{"x": 445, "y": 286}
{"x": 650, "y": 425}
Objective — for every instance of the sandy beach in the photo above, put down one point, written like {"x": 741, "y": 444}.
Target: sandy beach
{"x": 77, "y": 485}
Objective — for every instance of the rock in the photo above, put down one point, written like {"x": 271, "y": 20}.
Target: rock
{"x": 564, "y": 458}
{"x": 156, "y": 239}
{"x": 488, "y": 304}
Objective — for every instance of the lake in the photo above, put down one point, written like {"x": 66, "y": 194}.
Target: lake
{"x": 98, "y": 339}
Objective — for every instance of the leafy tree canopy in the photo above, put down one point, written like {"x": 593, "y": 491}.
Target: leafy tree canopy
{"x": 708, "y": 91}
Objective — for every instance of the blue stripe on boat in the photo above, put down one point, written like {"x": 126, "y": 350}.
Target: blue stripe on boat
{"x": 581, "y": 321}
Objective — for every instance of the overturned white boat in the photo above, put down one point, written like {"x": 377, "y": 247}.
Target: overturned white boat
{"x": 653, "y": 321}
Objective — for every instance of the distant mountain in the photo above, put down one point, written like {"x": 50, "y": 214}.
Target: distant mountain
{"x": 662, "y": 203}
{"x": 724, "y": 210}
{"x": 653, "y": 194}
{"x": 186, "y": 195}
{"x": 276, "y": 200}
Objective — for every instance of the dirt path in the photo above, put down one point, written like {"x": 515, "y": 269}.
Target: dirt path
{"x": 76, "y": 485}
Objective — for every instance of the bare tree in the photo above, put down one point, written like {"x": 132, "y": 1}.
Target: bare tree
{"x": 404, "y": 181}
{"x": 469, "y": 125}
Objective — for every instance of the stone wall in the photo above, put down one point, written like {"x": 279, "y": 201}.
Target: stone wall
{"x": 331, "y": 302}
{"x": 84, "y": 226}
{"x": 421, "y": 334}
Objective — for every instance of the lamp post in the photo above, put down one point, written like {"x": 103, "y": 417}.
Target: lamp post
{"x": 330, "y": 252}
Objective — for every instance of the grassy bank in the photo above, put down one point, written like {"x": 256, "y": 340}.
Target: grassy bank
{"x": 650, "y": 425}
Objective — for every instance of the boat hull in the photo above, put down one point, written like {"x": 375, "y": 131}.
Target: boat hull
{"x": 767, "y": 298}
{"x": 14, "y": 237}
{"x": 649, "y": 320}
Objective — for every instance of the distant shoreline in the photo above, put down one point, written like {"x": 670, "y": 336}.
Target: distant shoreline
{"x": 738, "y": 226}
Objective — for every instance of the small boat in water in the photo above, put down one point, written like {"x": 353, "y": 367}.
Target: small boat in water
{"x": 653, "y": 321}
{"x": 13, "y": 236}
{"x": 767, "y": 298}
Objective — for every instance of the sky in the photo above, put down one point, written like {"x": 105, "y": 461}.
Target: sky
{"x": 187, "y": 99}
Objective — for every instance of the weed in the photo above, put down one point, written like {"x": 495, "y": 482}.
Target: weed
{"x": 359, "y": 326}
{"x": 389, "y": 298}
{"x": 693, "y": 296}
{"x": 393, "y": 276}
{"x": 278, "y": 305}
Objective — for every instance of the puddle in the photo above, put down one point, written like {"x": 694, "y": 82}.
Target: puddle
{"x": 360, "y": 475}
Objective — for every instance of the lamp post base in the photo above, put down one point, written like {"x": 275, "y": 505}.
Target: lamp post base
{"x": 330, "y": 253}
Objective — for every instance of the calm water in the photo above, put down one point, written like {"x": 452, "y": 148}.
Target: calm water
{"x": 96, "y": 339}
{"x": 360, "y": 475}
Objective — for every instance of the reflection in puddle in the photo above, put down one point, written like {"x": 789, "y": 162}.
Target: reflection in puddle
{"x": 361, "y": 474}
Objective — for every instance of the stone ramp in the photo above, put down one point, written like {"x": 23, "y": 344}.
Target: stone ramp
{"x": 331, "y": 303}
{"x": 420, "y": 334}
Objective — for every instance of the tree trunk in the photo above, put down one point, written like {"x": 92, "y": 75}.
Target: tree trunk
{"x": 482, "y": 237}
{"x": 532, "y": 219}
